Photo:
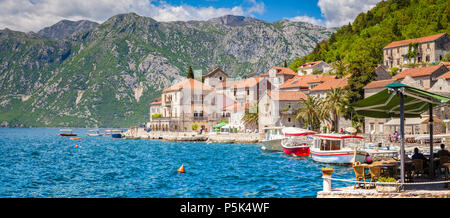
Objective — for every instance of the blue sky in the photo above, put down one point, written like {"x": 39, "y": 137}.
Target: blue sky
{"x": 274, "y": 9}
{"x": 33, "y": 15}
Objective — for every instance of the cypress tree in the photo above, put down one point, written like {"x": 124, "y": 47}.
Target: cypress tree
{"x": 190, "y": 73}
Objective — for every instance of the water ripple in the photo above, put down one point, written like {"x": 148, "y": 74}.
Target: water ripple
{"x": 39, "y": 163}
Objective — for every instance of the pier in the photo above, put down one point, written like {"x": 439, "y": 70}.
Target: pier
{"x": 140, "y": 133}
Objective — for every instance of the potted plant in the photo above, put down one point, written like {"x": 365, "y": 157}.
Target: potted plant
{"x": 387, "y": 187}
{"x": 327, "y": 171}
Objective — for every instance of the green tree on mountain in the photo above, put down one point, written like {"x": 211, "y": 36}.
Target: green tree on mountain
{"x": 190, "y": 73}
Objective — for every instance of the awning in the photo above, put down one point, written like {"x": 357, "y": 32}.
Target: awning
{"x": 386, "y": 103}
{"x": 218, "y": 126}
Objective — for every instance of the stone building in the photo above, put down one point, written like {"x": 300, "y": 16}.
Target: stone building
{"x": 431, "y": 49}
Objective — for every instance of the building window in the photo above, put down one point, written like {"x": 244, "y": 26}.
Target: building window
{"x": 427, "y": 58}
{"x": 289, "y": 120}
{"x": 372, "y": 127}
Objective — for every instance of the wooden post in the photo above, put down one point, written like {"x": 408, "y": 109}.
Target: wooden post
{"x": 402, "y": 141}
{"x": 431, "y": 139}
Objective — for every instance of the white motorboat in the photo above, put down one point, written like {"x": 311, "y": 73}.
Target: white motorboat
{"x": 337, "y": 149}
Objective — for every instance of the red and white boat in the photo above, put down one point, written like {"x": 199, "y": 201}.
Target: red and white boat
{"x": 337, "y": 148}
{"x": 66, "y": 132}
{"x": 296, "y": 142}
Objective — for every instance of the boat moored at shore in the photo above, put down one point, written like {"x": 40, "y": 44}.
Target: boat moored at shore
{"x": 296, "y": 141}
{"x": 273, "y": 139}
{"x": 337, "y": 149}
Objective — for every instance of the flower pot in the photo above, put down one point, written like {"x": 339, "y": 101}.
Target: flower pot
{"x": 387, "y": 188}
{"x": 327, "y": 172}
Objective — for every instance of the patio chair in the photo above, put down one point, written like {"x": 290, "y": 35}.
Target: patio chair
{"x": 442, "y": 160}
{"x": 360, "y": 175}
{"x": 418, "y": 167}
{"x": 375, "y": 173}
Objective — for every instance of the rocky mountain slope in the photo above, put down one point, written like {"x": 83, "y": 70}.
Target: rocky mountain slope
{"x": 66, "y": 28}
{"x": 107, "y": 75}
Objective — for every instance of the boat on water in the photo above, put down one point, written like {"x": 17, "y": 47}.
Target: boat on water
{"x": 94, "y": 132}
{"x": 117, "y": 134}
{"x": 297, "y": 141}
{"x": 337, "y": 148}
{"x": 66, "y": 132}
{"x": 273, "y": 139}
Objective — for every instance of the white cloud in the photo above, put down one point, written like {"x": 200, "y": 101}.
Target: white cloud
{"x": 336, "y": 13}
{"x": 33, "y": 15}
{"x": 256, "y": 7}
{"x": 308, "y": 19}
{"x": 340, "y": 12}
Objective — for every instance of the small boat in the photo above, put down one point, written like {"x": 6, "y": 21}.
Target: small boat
{"x": 76, "y": 138}
{"x": 94, "y": 132}
{"x": 117, "y": 134}
{"x": 273, "y": 139}
{"x": 108, "y": 132}
{"x": 66, "y": 132}
{"x": 337, "y": 149}
{"x": 296, "y": 142}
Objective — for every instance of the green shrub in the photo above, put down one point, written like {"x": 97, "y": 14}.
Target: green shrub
{"x": 386, "y": 179}
{"x": 157, "y": 115}
{"x": 195, "y": 127}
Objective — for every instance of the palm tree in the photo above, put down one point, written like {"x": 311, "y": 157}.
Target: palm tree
{"x": 335, "y": 104}
{"x": 251, "y": 118}
{"x": 340, "y": 68}
{"x": 311, "y": 112}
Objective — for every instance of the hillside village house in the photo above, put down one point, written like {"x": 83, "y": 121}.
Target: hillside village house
{"x": 431, "y": 49}
{"x": 311, "y": 67}
{"x": 304, "y": 83}
{"x": 278, "y": 75}
{"x": 278, "y": 108}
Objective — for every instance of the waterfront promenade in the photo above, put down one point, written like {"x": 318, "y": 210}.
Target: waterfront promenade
{"x": 140, "y": 133}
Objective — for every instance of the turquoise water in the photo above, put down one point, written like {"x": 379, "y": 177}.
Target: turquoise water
{"x": 39, "y": 163}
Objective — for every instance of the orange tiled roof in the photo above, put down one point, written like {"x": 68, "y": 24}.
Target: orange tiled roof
{"x": 416, "y": 40}
{"x": 304, "y": 80}
{"x": 281, "y": 71}
{"x": 250, "y": 82}
{"x": 157, "y": 101}
{"x": 446, "y": 75}
{"x": 188, "y": 83}
{"x": 416, "y": 72}
{"x": 308, "y": 65}
{"x": 331, "y": 84}
{"x": 379, "y": 84}
{"x": 447, "y": 64}
{"x": 287, "y": 95}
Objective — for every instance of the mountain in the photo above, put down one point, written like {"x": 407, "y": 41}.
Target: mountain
{"x": 65, "y": 28}
{"x": 107, "y": 75}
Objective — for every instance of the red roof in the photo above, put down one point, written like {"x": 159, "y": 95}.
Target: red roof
{"x": 416, "y": 40}
{"x": 282, "y": 71}
{"x": 308, "y": 65}
{"x": 378, "y": 84}
{"x": 305, "y": 80}
{"x": 286, "y": 95}
{"x": 331, "y": 84}
{"x": 417, "y": 72}
{"x": 446, "y": 75}
{"x": 238, "y": 107}
{"x": 245, "y": 83}
{"x": 447, "y": 64}
{"x": 157, "y": 101}
{"x": 188, "y": 83}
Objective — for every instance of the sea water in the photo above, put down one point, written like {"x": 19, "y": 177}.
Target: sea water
{"x": 37, "y": 163}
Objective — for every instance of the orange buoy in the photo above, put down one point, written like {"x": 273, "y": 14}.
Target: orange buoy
{"x": 181, "y": 169}
{"x": 76, "y": 146}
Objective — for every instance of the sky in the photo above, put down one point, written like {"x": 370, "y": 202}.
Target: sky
{"x": 33, "y": 15}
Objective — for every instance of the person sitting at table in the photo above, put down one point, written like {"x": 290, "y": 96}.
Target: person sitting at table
{"x": 418, "y": 155}
{"x": 443, "y": 152}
